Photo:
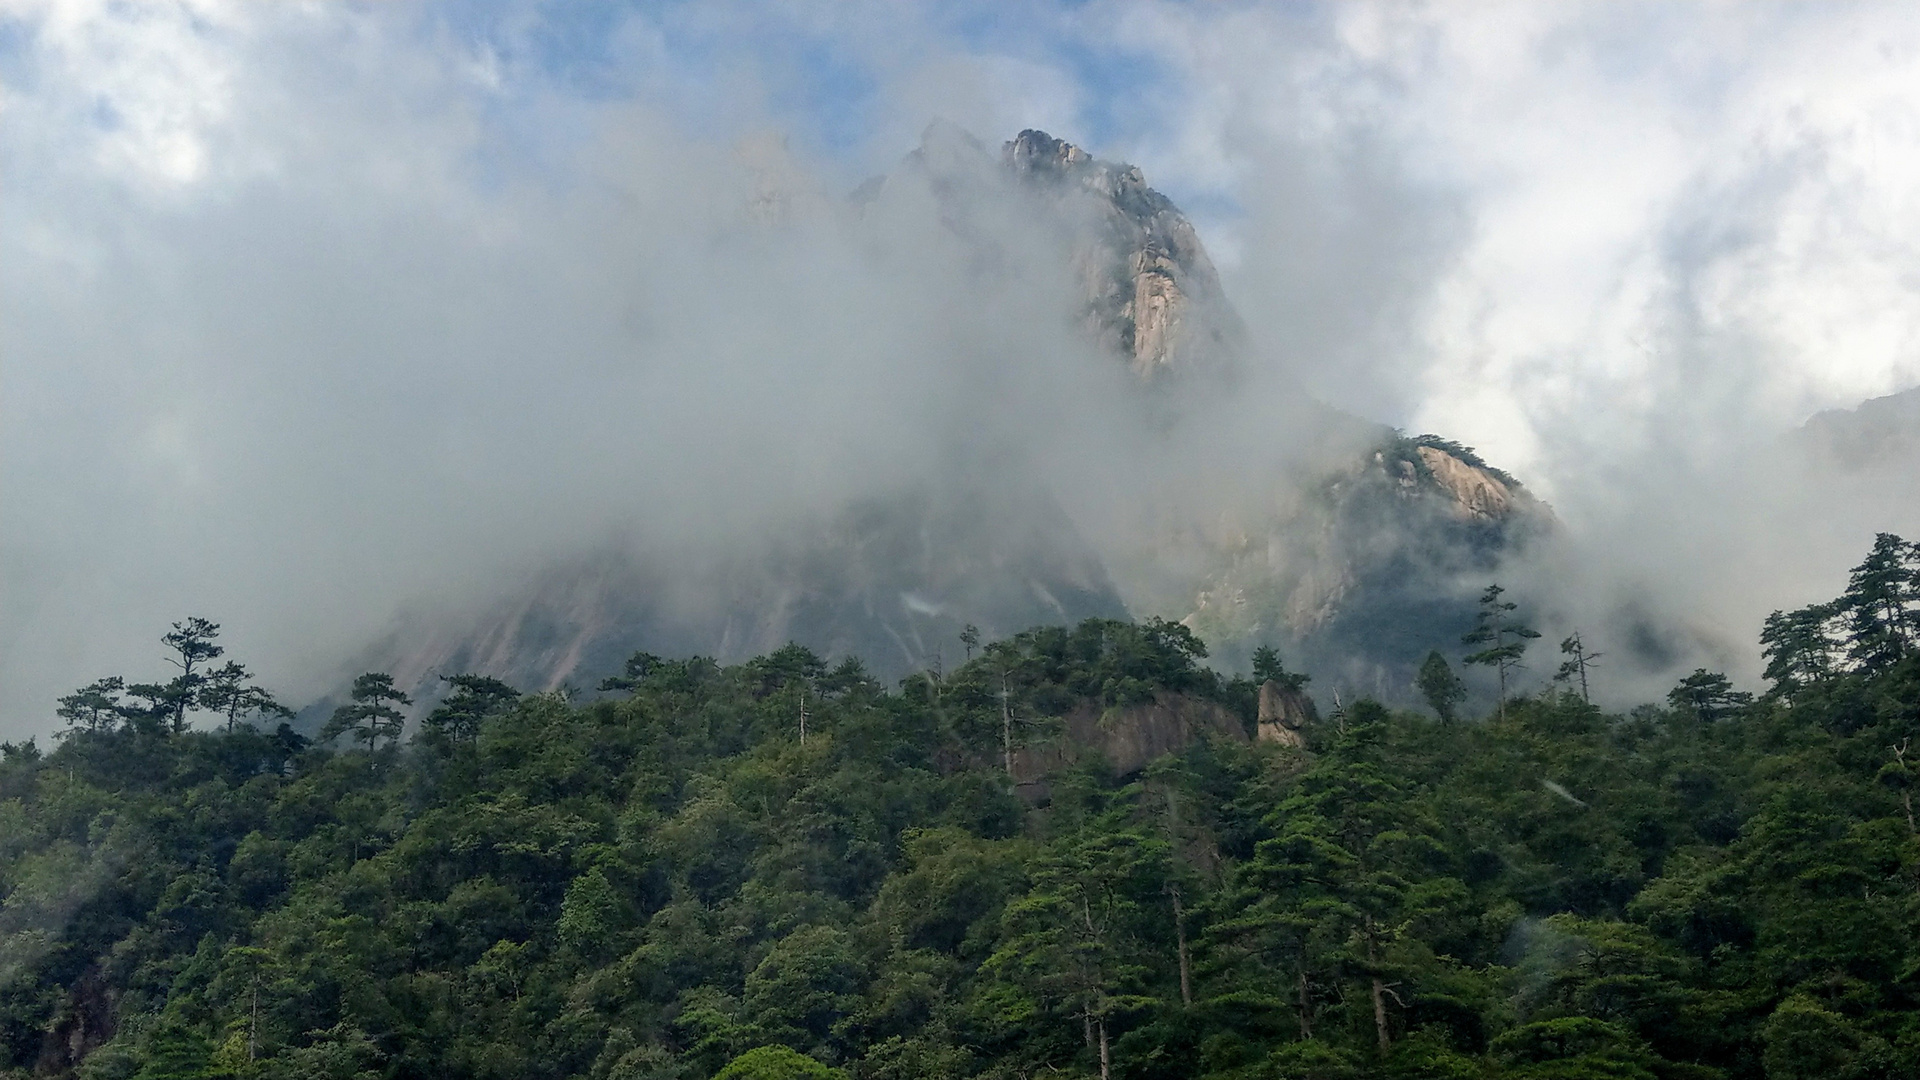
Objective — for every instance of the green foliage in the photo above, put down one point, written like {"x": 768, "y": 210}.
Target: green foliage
{"x": 1881, "y": 607}
{"x": 1870, "y": 629}
{"x": 1708, "y": 695}
{"x": 1077, "y": 944}
{"x": 670, "y": 885}
{"x": 228, "y": 692}
{"x": 473, "y": 699}
{"x": 1311, "y": 1059}
{"x": 1466, "y": 454}
{"x": 94, "y": 708}
{"x": 1575, "y": 1048}
{"x": 1113, "y": 662}
{"x": 1268, "y": 668}
{"x": 1443, "y": 689}
{"x": 776, "y": 1063}
{"x": 176, "y": 1052}
{"x": 1799, "y": 650}
{"x": 1578, "y": 665}
{"x": 808, "y": 984}
{"x": 371, "y": 715}
{"x": 191, "y": 643}
{"x": 1806, "y": 1040}
{"x": 1503, "y": 638}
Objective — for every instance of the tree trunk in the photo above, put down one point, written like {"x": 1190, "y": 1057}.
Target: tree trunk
{"x": 1106, "y": 1066}
{"x": 1086, "y": 1016}
{"x": 1180, "y": 936}
{"x": 1379, "y": 996}
{"x": 1306, "y": 1016}
{"x": 1906, "y": 800}
{"x": 1006, "y": 728}
{"x": 1380, "y": 1015}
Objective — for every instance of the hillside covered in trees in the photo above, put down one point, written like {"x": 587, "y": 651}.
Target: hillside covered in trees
{"x": 783, "y": 868}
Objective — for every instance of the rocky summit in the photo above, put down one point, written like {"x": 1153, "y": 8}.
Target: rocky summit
{"x": 1152, "y": 294}
{"x": 1356, "y": 558}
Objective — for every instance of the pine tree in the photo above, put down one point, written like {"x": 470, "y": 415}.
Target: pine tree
{"x": 193, "y": 647}
{"x": 154, "y": 706}
{"x": 1440, "y": 686}
{"x": 228, "y": 692}
{"x": 1879, "y": 606}
{"x": 1708, "y": 695}
{"x": 1504, "y": 637}
{"x": 1799, "y": 647}
{"x": 1351, "y": 865}
{"x": 476, "y": 697}
{"x": 638, "y": 666}
{"x": 176, "y": 1052}
{"x": 1280, "y": 919}
{"x": 1579, "y": 661}
{"x": 248, "y": 973}
{"x": 1073, "y": 940}
{"x": 372, "y": 715}
{"x": 1267, "y": 667}
{"x": 94, "y": 707}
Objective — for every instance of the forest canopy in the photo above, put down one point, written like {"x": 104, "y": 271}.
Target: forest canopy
{"x": 782, "y": 868}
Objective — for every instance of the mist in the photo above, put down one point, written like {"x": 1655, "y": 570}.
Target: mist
{"x": 314, "y": 316}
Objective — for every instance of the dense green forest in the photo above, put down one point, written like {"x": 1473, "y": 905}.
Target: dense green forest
{"x": 783, "y": 869}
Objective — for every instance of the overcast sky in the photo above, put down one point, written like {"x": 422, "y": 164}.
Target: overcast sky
{"x": 306, "y": 309}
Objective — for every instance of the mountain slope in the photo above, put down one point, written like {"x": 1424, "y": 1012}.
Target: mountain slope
{"x": 891, "y": 580}
{"x": 1152, "y": 295}
{"x": 1355, "y": 548}
{"x": 1360, "y": 558}
{"x": 1884, "y": 431}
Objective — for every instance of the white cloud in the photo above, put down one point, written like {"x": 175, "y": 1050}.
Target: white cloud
{"x": 303, "y": 252}
{"x": 1663, "y": 202}
{"x": 144, "y": 91}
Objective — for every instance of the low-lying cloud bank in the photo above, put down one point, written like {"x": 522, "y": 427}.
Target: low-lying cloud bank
{"x": 313, "y": 312}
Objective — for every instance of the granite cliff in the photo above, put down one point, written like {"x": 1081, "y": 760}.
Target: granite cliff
{"x": 1882, "y": 432}
{"x": 1356, "y": 561}
{"x": 1152, "y": 296}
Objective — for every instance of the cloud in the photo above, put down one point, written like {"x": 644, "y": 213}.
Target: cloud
{"x": 313, "y": 308}
{"x": 1620, "y": 248}
{"x": 1593, "y": 204}
{"x": 367, "y": 349}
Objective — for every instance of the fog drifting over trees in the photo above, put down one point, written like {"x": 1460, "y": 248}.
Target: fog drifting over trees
{"x": 315, "y": 312}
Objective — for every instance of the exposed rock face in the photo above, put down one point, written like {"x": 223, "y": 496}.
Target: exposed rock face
{"x": 1152, "y": 295}
{"x": 1476, "y": 492}
{"x": 1884, "y": 431}
{"x": 892, "y": 581}
{"x": 1357, "y": 562}
{"x": 1365, "y": 566}
{"x": 1285, "y": 714}
{"x": 1126, "y": 738}
{"x": 1363, "y": 575}
{"x": 569, "y": 626}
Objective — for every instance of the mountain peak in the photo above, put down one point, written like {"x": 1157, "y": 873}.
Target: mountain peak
{"x": 1152, "y": 294}
{"x": 1036, "y": 151}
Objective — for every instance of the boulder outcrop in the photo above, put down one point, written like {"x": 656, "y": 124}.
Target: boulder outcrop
{"x": 1285, "y": 714}
{"x": 1476, "y": 492}
{"x": 1126, "y": 737}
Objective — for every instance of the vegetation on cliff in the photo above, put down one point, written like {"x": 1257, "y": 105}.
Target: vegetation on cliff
{"x": 784, "y": 869}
